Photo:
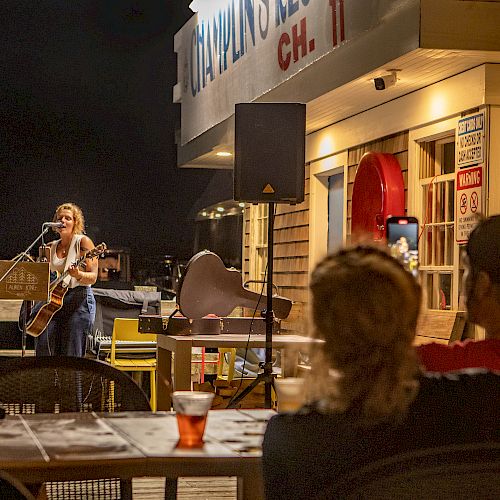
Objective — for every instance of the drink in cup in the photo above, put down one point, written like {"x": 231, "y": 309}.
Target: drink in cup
{"x": 191, "y": 408}
{"x": 291, "y": 393}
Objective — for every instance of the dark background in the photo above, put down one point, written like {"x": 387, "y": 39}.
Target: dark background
{"x": 87, "y": 116}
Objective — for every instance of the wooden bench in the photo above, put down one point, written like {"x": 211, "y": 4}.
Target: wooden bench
{"x": 442, "y": 327}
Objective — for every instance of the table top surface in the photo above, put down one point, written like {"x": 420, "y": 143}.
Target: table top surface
{"x": 41, "y": 442}
{"x": 235, "y": 340}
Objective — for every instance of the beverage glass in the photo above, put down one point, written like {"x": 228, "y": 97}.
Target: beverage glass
{"x": 291, "y": 393}
{"x": 191, "y": 408}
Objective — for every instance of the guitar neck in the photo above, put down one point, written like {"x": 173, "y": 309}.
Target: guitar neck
{"x": 253, "y": 300}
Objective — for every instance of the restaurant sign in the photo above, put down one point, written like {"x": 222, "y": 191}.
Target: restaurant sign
{"x": 469, "y": 193}
{"x": 235, "y": 51}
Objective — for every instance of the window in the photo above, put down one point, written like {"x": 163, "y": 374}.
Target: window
{"x": 439, "y": 254}
{"x": 259, "y": 215}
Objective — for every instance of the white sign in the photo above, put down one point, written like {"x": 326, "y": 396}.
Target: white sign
{"x": 236, "y": 51}
{"x": 470, "y": 140}
{"x": 468, "y": 196}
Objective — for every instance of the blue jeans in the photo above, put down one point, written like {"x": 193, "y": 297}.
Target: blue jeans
{"x": 66, "y": 334}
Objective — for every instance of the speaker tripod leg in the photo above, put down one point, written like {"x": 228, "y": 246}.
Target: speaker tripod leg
{"x": 261, "y": 377}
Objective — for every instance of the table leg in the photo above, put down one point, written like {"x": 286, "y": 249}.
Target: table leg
{"x": 182, "y": 365}
{"x": 250, "y": 488}
{"x": 164, "y": 379}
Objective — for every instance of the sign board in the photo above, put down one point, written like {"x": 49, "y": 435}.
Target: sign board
{"x": 470, "y": 140}
{"x": 236, "y": 51}
{"x": 469, "y": 187}
{"x": 26, "y": 280}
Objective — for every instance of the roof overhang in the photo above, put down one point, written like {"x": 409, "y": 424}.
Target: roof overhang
{"x": 427, "y": 41}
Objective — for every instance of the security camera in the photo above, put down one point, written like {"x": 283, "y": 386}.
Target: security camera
{"x": 385, "y": 81}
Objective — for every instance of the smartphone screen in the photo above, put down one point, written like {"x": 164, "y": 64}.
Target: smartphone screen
{"x": 402, "y": 238}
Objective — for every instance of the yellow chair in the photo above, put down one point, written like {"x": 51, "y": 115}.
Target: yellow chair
{"x": 128, "y": 329}
{"x": 222, "y": 359}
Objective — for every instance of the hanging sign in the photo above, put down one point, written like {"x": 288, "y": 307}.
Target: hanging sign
{"x": 468, "y": 196}
{"x": 470, "y": 140}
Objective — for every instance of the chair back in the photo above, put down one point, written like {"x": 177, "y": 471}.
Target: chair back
{"x": 448, "y": 473}
{"x": 12, "y": 488}
{"x": 128, "y": 329}
{"x": 55, "y": 384}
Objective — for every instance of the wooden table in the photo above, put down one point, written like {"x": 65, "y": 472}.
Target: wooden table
{"x": 76, "y": 446}
{"x": 181, "y": 349}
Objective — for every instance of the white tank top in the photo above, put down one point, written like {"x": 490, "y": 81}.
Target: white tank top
{"x": 60, "y": 265}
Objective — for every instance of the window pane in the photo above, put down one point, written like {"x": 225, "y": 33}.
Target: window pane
{"x": 448, "y": 166}
{"x": 451, "y": 201}
{"x": 450, "y": 245}
{"x": 440, "y": 202}
{"x": 445, "y": 285}
{"x": 426, "y": 247}
{"x": 439, "y": 245}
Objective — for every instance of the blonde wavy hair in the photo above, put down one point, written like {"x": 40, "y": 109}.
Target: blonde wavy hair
{"x": 365, "y": 307}
{"x": 79, "y": 226}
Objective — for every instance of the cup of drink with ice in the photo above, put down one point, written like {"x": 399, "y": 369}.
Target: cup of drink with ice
{"x": 191, "y": 409}
{"x": 291, "y": 393}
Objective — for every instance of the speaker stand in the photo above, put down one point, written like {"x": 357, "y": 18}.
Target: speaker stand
{"x": 267, "y": 376}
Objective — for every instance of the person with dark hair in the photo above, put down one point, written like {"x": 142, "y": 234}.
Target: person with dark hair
{"x": 482, "y": 300}
{"x": 66, "y": 333}
{"x": 367, "y": 398}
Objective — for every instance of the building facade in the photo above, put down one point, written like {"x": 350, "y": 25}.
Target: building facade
{"x": 439, "y": 115}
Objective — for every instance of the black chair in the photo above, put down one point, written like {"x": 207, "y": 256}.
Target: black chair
{"x": 56, "y": 384}
{"x": 452, "y": 472}
{"x": 12, "y": 489}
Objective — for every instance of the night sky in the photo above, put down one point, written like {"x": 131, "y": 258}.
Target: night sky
{"x": 86, "y": 116}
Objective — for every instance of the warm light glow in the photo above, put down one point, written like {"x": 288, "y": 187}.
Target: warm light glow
{"x": 438, "y": 105}
{"x": 220, "y": 209}
{"x": 204, "y": 214}
{"x": 241, "y": 204}
{"x": 218, "y": 216}
{"x": 326, "y": 145}
{"x": 224, "y": 153}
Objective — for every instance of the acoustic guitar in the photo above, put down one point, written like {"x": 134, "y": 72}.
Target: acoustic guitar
{"x": 43, "y": 312}
{"x": 207, "y": 287}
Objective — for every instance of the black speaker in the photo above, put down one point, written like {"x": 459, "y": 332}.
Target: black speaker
{"x": 269, "y": 149}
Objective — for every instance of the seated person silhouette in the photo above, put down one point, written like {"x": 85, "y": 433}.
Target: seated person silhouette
{"x": 482, "y": 300}
{"x": 367, "y": 397}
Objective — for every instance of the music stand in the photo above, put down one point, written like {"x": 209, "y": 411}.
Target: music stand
{"x": 23, "y": 280}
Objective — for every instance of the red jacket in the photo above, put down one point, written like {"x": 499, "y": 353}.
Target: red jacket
{"x": 459, "y": 355}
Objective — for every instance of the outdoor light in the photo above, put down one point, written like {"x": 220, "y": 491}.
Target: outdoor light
{"x": 218, "y": 216}
{"x": 220, "y": 209}
{"x": 224, "y": 153}
{"x": 241, "y": 204}
{"x": 195, "y": 5}
{"x": 204, "y": 214}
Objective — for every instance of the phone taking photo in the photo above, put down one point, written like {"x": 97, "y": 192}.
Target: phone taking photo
{"x": 402, "y": 239}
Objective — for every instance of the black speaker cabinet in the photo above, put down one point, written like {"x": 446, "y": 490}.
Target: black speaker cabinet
{"x": 269, "y": 152}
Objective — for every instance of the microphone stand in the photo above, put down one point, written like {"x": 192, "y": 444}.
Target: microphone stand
{"x": 15, "y": 261}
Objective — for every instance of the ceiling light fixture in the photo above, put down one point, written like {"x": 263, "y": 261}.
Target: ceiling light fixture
{"x": 224, "y": 153}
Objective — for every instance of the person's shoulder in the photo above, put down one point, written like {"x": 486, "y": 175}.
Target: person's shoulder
{"x": 86, "y": 243}
{"x": 469, "y": 380}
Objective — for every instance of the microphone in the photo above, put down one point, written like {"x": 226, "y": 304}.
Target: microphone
{"x": 54, "y": 225}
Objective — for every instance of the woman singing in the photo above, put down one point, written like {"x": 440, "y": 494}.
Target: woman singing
{"x": 67, "y": 331}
